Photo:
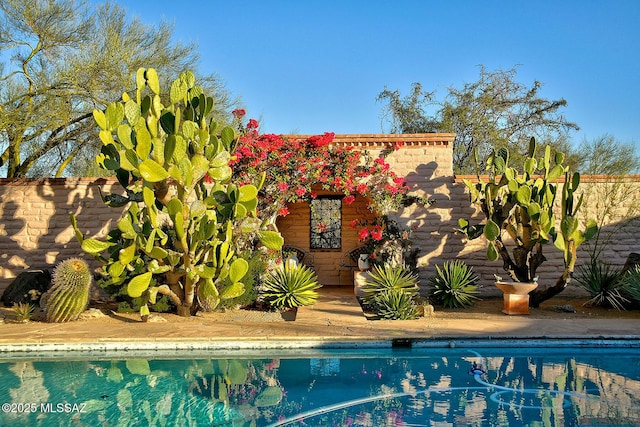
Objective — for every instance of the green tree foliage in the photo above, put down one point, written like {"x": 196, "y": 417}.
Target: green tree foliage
{"x": 61, "y": 59}
{"x": 616, "y": 202}
{"x": 409, "y": 114}
{"x": 493, "y": 112}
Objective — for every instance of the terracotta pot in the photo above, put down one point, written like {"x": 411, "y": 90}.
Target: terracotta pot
{"x": 516, "y": 296}
{"x": 289, "y": 315}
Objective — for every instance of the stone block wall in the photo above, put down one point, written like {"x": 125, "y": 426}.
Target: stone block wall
{"x": 35, "y": 230}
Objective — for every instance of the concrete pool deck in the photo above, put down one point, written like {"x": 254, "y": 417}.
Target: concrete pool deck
{"x": 336, "y": 320}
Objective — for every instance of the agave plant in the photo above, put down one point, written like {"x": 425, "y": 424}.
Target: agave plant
{"x": 604, "y": 283}
{"x": 455, "y": 285}
{"x": 388, "y": 277}
{"x": 23, "y": 311}
{"x": 290, "y": 286}
{"x": 631, "y": 284}
{"x": 395, "y": 304}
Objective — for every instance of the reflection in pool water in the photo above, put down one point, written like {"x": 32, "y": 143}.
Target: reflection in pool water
{"x": 429, "y": 387}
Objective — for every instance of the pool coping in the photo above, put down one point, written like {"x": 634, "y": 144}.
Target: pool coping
{"x": 208, "y": 348}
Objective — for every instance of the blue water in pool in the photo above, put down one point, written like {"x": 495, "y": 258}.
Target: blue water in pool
{"x": 399, "y": 387}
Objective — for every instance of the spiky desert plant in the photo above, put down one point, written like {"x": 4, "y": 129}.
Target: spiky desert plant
{"x": 454, "y": 285}
{"x": 178, "y": 237}
{"x": 520, "y": 206}
{"x": 631, "y": 284}
{"x": 289, "y": 286}
{"x": 69, "y": 292}
{"x": 23, "y": 311}
{"x": 383, "y": 278}
{"x": 604, "y": 284}
{"x": 394, "y": 304}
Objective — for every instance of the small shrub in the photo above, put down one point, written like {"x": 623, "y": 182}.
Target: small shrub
{"x": 455, "y": 285}
{"x": 604, "y": 284}
{"x": 23, "y": 311}
{"x": 394, "y": 304}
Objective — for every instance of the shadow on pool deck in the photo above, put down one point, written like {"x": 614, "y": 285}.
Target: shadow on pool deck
{"x": 336, "y": 317}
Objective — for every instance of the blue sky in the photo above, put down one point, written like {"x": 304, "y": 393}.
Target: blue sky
{"x": 314, "y": 66}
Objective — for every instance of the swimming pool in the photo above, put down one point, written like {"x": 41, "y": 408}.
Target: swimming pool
{"x": 479, "y": 386}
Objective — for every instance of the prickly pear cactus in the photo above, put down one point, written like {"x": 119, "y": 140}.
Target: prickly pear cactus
{"x": 185, "y": 214}
{"x": 521, "y": 207}
{"x": 69, "y": 292}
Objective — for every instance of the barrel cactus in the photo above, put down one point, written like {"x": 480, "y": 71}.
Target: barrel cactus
{"x": 69, "y": 292}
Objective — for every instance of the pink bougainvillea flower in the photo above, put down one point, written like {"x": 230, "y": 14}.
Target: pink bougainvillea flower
{"x": 363, "y": 234}
{"x": 283, "y": 211}
{"x": 253, "y": 124}
{"x": 376, "y": 234}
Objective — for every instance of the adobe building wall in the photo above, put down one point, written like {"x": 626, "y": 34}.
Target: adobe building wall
{"x": 35, "y": 230}
{"x": 426, "y": 162}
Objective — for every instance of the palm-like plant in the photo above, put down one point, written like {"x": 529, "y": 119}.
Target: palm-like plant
{"x": 387, "y": 277}
{"x": 455, "y": 285}
{"x": 290, "y": 286}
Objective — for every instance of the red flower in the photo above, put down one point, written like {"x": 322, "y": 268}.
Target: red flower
{"x": 301, "y": 191}
{"x": 239, "y": 113}
{"x": 282, "y": 186}
{"x": 314, "y": 194}
{"x": 376, "y": 233}
{"x": 349, "y": 199}
{"x": 354, "y": 223}
{"x": 283, "y": 211}
{"x": 363, "y": 234}
{"x": 399, "y": 181}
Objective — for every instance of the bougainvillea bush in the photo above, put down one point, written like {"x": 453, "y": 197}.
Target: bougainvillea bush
{"x": 293, "y": 170}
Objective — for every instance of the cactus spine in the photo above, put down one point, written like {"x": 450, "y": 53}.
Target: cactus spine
{"x": 69, "y": 292}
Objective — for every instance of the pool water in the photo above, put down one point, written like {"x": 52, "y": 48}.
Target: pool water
{"x": 383, "y": 387}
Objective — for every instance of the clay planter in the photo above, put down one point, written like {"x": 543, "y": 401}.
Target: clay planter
{"x": 516, "y": 296}
{"x": 289, "y": 314}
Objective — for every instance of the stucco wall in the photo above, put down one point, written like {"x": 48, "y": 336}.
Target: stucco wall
{"x": 35, "y": 230}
